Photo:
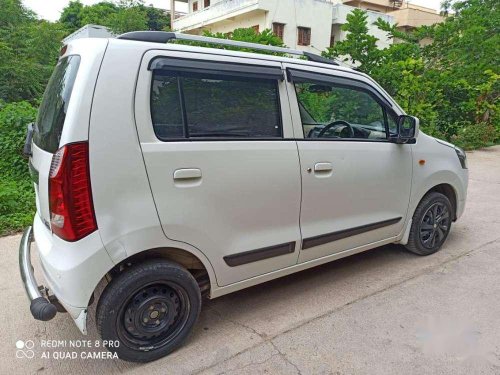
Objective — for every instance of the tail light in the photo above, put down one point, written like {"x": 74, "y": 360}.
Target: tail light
{"x": 70, "y": 197}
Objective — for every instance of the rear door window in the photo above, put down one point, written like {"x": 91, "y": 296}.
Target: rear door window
{"x": 203, "y": 105}
{"x": 52, "y": 113}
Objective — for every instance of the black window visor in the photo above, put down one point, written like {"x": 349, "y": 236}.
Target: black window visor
{"x": 301, "y": 76}
{"x": 217, "y": 68}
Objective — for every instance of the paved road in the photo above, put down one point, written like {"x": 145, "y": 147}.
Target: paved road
{"x": 381, "y": 312}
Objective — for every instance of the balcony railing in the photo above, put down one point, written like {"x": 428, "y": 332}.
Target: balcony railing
{"x": 215, "y": 12}
{"x": 231, "y": 8}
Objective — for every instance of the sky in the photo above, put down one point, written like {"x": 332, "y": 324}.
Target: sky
{"x": 51, "y": 9}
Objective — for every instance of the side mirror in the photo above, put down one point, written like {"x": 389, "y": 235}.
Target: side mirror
{"x": 407, "y": 129}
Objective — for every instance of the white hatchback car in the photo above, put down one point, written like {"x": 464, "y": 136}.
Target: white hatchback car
{"x": 166, "y": 171}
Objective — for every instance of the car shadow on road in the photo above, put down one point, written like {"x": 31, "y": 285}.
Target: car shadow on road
{"x": 249, "y": 316}
{"x": 288, "y": 301}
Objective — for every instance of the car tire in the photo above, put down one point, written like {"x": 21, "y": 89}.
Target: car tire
{"x": 148, "y": 310}
{"x": 430, "y": 225}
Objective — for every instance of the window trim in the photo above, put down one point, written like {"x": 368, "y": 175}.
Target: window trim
{"x": 301, "y": 76}
{"x": 185, "y": 123}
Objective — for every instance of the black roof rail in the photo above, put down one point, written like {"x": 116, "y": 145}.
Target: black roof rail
{"x": 166, "y": 36}
{"x": 318, "y": 58}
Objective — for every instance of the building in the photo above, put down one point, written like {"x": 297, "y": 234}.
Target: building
{"x": 311, "y": 25}
{"x": 411, "y": 16}
{"x": 406, "y": 15}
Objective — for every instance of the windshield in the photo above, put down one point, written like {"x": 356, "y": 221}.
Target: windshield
{"x": 50, "y": 121}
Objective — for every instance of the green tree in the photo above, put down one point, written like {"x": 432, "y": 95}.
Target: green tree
{"x": 71, "y": 16}
{"x": 130, "y": 16}
{"x": 120, "y": 17}
{"x": 98, "y": 14}
{"x": 249, "y": 35}
{"x": 16, "y": 191}
{"x": 451, "y": 82}
{"x": 28, "y": 51}
{"x": 359, "y": 48}
{"x": 157, "y": 19}
{"x": 14, "y": 13}
{"x": 468, "y": 41}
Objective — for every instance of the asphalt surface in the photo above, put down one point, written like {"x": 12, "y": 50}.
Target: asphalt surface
{"x": 384, "y": 311}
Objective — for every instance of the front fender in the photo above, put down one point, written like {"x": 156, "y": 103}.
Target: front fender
{"x": 436, "y": 164}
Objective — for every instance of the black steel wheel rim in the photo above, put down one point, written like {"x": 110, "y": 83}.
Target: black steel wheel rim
{"x": 153, "y": 316}
{"x": 434, "y": 225}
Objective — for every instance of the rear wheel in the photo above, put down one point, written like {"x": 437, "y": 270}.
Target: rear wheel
{"x": 430, "y": 225}
{"x": 149, "y": 309}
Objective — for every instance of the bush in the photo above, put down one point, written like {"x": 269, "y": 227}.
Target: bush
{"x": 472, "y": 136}
{"x": 17, "y": 202}
{"x": 17, "y": 205}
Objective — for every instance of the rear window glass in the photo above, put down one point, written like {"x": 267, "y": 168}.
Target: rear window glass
{"x": 50, "y": 121}
{"x": 194, "y": 105}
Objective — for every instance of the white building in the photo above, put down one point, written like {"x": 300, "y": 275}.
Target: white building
{"x": 311, "y": 25}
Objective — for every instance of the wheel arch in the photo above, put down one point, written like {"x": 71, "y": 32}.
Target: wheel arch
{"x": 449, "y": 192}
{"x": 188, "y": 260}
{"x": 444, "y": 188}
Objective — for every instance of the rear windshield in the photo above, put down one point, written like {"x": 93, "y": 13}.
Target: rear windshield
{"x": 50, "y": 121}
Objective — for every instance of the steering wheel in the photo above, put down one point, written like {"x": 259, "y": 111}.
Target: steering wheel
{"x": 335, "y": 124}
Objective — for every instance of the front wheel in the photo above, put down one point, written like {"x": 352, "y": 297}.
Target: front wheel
{"x": 149, "y": 310}
{"x": 430, "y": 225}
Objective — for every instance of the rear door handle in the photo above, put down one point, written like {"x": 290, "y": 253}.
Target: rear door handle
{"x": 323, "y": 167}
{"x": 187, "y": 174}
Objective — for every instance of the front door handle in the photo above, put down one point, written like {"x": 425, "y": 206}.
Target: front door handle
{"x": 187, "y": 174}
{"x": 323, "y": 167}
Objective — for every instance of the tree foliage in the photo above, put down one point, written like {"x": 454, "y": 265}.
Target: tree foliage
{"x": 28, "y": 50}
{"x": 446, "y": 74}
{"x": 120, "y": 17}
{"x": 71, "y": 16}
{"x": 16, "y": 191}
{"x": 249, "y": 35}
{"x": 359, "y": 48}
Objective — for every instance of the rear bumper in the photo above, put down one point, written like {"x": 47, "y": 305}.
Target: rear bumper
{"x": 69, "y": 270}
{"x": 41, "y": 308}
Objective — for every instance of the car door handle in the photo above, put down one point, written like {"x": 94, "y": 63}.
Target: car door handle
{"x": 323, "y": 167}
{"x": 187, "y": 174}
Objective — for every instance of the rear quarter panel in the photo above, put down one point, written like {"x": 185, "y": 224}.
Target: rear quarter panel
{"x": 125, "y": 211}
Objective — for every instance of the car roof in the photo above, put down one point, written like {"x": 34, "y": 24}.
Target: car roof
{"x": 146, "y": 44}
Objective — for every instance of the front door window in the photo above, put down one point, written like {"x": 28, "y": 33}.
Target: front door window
{"x": 329, "y": 111}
